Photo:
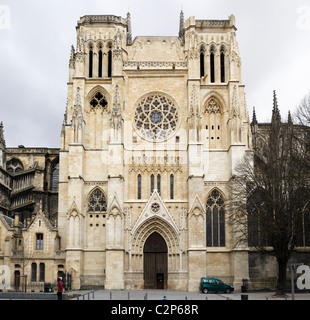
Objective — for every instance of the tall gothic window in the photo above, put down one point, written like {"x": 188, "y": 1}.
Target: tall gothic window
{"x": 55, "y": 177}
{"x": 215, "y": 220}
{"x": 97, "y": 202}
{"x": 212, "y": 66}
{"x": 222, "y": 64}
{"x": 171, "y": 186}
{"x": 90, "y": 73}
{"x": 202, "y": 63}
{"x": 100, "y": 63}
{"x": 158, "y": 183}
{"x": 214, "y": 123}
{"x": 152, "y": 183}
{"x": 139, "y": 186}
{"x": 110, "y": 64}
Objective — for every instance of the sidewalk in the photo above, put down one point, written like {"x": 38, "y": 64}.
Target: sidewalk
{"x": 176, "y": 295}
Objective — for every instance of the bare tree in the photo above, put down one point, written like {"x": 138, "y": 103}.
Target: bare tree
{"x": 22, "y": 256}
{"x": 302, "y": 114}
{"x": 270, "y": 193}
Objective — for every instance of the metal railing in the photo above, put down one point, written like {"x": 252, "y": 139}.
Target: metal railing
{"x": 82, "y": 297}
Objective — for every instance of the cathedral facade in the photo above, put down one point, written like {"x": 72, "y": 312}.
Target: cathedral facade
{"x": 152, "y": 131}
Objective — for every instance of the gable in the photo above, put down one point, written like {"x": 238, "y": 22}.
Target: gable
{"x": 155, "y": 208}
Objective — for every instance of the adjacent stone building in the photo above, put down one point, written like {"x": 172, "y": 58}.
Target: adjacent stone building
{"x": 152, "y": 131}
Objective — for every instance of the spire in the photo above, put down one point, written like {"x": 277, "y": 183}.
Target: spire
{"x": 254, "y": 124}
{"x": 289, "y": 118}
{"x": 275, "y": 111}
{"x": 129, "y": 32}
{"x": 181, "y": 29}
{"x": 72, "y": 58}
{"x": 254, "y": 119}
{"x": 2, "y": 140}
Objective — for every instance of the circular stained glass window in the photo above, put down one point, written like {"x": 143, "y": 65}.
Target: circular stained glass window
{"x": 156, "y": 117}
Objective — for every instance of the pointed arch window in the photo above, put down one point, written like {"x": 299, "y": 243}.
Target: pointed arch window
{"x": 222, "y": 64}
{"x": 97, "y": 202}
{"x": 100, "y": 56}
{"x": 152, "y": 183}
{"x": 139, "y": 186}
{"x": 212, "y": 66}
{"x": 171, "y": 186}
{"x": 98, "y": 101}
{"x": 110, "y": 63}
{"x": 214, "y": 123}
{"x": 90, "y": 62}
{"x": 158, "y": 183}
{"x": 55, "y": 177}
{"x": 14, "y": 166}
{"x": 215, "y": 220}
{"x": 202, "y": 63}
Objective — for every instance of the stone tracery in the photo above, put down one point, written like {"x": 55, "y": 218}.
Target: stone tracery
{"x": 156, "y": 117}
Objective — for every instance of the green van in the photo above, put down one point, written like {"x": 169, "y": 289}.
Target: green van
{"x": 216, "y": 285}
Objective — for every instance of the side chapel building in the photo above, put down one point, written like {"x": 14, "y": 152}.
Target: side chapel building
{"x": 152, "y": 131}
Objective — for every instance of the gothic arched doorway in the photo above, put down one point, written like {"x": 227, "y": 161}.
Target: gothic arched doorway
{"x": 155, "y": 262}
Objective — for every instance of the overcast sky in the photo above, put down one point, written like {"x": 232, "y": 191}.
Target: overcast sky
{"x": 36, "y": 37}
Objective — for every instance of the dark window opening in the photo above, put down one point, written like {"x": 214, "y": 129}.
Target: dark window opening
{"x": 90, "y": 63}
{"x": 171, "y": 186}
{"x": 222, "y": 67}
{"x": 33, "y": 272}
{"x": 109, "y": 64}
{"x": 212, "y": 71}
{"x": 152, "y": 183}
{"x": 158, "y": 183}
{"x": 42, "y": 272}
{"x": 139, "y": 187}
{"x": 202, "y": 64}
{"x": 100, "y": 64}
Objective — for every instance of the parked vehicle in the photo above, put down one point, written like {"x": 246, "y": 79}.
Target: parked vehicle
{"x": 213, "y": 284}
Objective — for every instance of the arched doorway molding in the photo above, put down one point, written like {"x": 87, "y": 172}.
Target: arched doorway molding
{"x": 170, "y": 236}
{"x": 155, "y": 224}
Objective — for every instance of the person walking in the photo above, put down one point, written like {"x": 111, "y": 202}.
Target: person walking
{"x": 59, "y": 289}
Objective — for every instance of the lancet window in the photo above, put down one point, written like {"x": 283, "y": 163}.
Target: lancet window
{"x": 215, "y": 220}
{"x": 97, "y": 202}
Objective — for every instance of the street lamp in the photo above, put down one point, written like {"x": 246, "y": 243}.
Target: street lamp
{"x": 293, "y": 266}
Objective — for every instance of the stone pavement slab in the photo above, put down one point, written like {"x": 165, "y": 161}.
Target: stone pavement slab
{"x": 177, "y": 295}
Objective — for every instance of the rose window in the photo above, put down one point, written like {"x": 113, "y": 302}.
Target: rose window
{"x": 156, "y": 117}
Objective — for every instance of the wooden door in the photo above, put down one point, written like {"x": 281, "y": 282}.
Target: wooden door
{"x": 155, "y": 262}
